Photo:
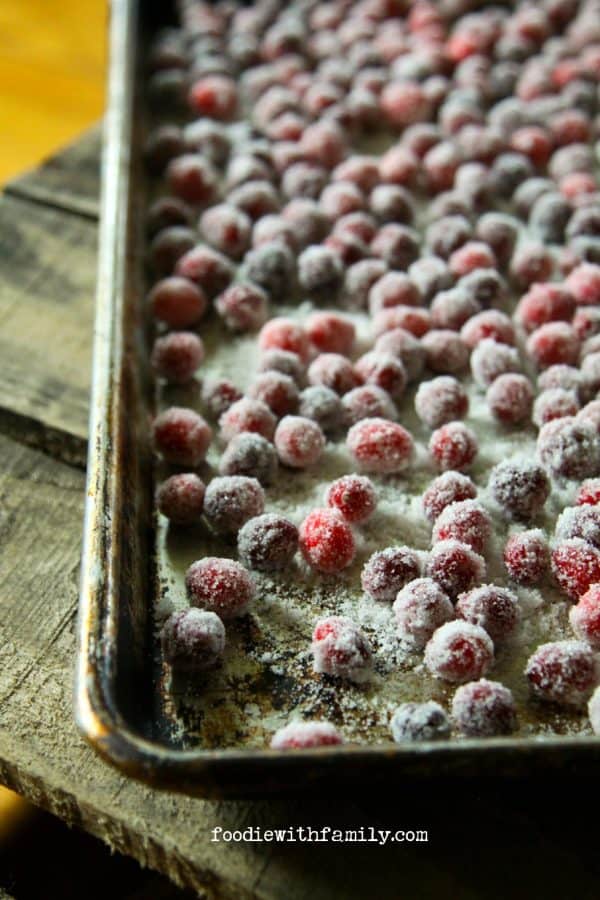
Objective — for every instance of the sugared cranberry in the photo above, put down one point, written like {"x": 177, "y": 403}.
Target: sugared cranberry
{"x": 320, "y": 270}
{"x": 250, "y": 454}
{"x": 414, "y": 320}
{"x": 218, "y": 585}
{"x": 284, "y": 334}
{"x": 484, "y": 709}
{"x": 367, "y": 402}
{"x": 579, "y": 522}
{"x": 584, "y": 284}
{"x": 459, "y": 652}
{"x": 214, "y": 96}
{"x": 334, "y": 371}
{"x": 393, "y": 289}
{"x": 299, "y": 441}
{"x": 387, "y": 571}
{"x": 419, "y": 722}
{"x": 553, "y": 343}
{"x": 450, "y": 487}
{"x": 451, "y": 309}
{"x": 520, "y": 488}
{"x": 323, "y": 406}
{"x": 455, "y": 566}
{"x": 341, "y": 649}
{"x": 544, "y": 302}
{"x": 570, "y": 447}
{"x": 575, "y": 566}
{"x": 567, "y": 378}
{"x": 247, "y": 415}
{"x": 282, "y": 361}
{"x": 306, "y": 735}
{"x": 231, "y": 500}
{"x": 377, "y": 445}
{"x": 227, "y": 229}
{"x": 510, "y": 398}
{"x": 527, "y": 556}
{"x": 181, "y": 497}
{"x": 563, "y": 672}
{"x": 445, "y": 351}
{"x": 440, "y": 401}
{"x": 491, "y": 323}
{"x": 209, "y": 269}
{"x": 585, "y": 617}
{"x": 404, "y": 103}
{"x": 243, "y": 306}
{"x": 278, "y": 391}
{"x": 406, "y": 347}
{"x": 465, "y": 521}
{"x": 181, "y": 436}
{"x": 330, "y": 333}
{"x": 177, "y": 356}
{"x": 420, "y": 608}
{"x": 554, "y": 404}
{"x": 218, "y": 394}
{"x": 384, "y": 371}
{"x": 496, "y": 609}
{"x": 193, "y": 640}
{"x": 267, "y": 542}
{"x": 530, "y": 263}
{"x": 353, "y": 496}
{"x": 589, "y": 493}
{"x": 177, "y": 302}
{"x": 193, "y": 178}
{"x": 490, "y": 359}
{"x": 453, "y": 446}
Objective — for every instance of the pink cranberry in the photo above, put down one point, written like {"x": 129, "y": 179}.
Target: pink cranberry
{"x": 227, "y": 229}
{"x": 177, "y": 302}
{"x": 530, "y": 263}
{"x": 330, "y": 333}
{"x": 247, "y": 415}
{"x": 404, "y": 103}
{"x": 575, "y": 566}
{"x": 222, "y": 586}
{"x": 214, "y": 96}
{"x": 393, "y": 289}
{"x": 341, "y": 198}
{"x": 326, "y": 541}
{"x": 567, "y": 378}
{"x": 406, "y": 347}
{"x": 193, "y": 640}
{"x": 334, "y": 371}
{"x": 554, "y": 404}
{"x": 420, "y": 608}
{"x": 209, "y": 269}
{"x": 409, "y": 318}
{"x": 553, "y": 343}
{"x": 181, "y": 436}
{"x": 387, "y": 571}
{"x": 491, "y": 323}
{"x": 445, "y": 351}
{"x": 360, "y": 170}
{"x": 181, "y": 497}
{"x": 455, "y": 567}
{"x": 465, "y": 521}
{"x": 382, "y": 370}
{"x": 534, "y": 142}
{"x": 267, "y": 542}
{"x": 527, "y": 556}
{"x": 341, "y": 649}
{"x": 510, "y": 399}
{"x": 459, "y": 652}
{"x": 585, "y": 617}
{"x": 324, "y": 143}
{"x": 353, "y": 496}
{"x": 231, "y": 500}
{"x": 484, "y": 709}
{"x": 377, "y": 445}
{"x": 453, "y": 446}
{"x": 306, "y": 735}
{"x": 399, "y": 165}
{"x": 496, "y": 609}
{"x": 544, "y": 302}
{"x": 243, "y": 306}
{"x": 450, "y": 487}
{"x": 584, "y": 284}
{"x": 472, "y": 255}
{"x": 177, "y": 356}
{"x": 367, "y": 402}
{"x": 278, "y": 391}
{"x": 489, "y": 360}
{"x": 563, "y": 672}
{"x": 299, "y": 441}
{"x": 451, "y": 309}
{"x": 284, "y": 334}
{"x": 440, "y": 401}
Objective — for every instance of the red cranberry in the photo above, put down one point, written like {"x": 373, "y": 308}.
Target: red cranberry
{"x": 387, "y": 571}
{"x": 323, "y": 406}
{"x": 324, "y": 143}
{"x": 510, "y": 399}
{"x": 544, "y": 302}
{"x": 589, "y": 493}
{"x": 484, "y": 709}
{"x": 218, "y": 395}
{"x": 222, "y": 586}
{"x": 404, "y": 103}
{"x": 230, "y": 501}
{"x": 562, "y": 672}
{"x": 491, "y": 323}
{"x": 584, "y": 284}
{"x": 181, "y": 436}
{"x": 267, "y": 542}
{"x": 377, "y": 445}
{"x": 193, "y": 640}
{"x": 459, "y": 652}
{"x": 330, "y": 333}
{"x": 585, "y": 617}
{"x": 567, "y": 378}
{"x": 306, "y": 735}
{"x": 247, "y": 415}
{"x": 455, "y": 566}
{"x": 575, "y": 566}
{"x": 382, "y": 370}
{"x": 227, "y": 229}
{"x": 406, "y": 347}
{"x": 282, "y": 361}
{"x": 527, "y": 556}
{"x": 440, "y": 401}
{"x": 465, "y": 521}
{"x": 420, "y": 608}
{"x": 180, "y": 498}
{"x": 177, "y": 356}
{"x": 326, "y": 541}
{"x": 496, "y": 609}
{"x": 555, "y": 342}
{"x": 490, "y": 359}
{"x": 472, "y": 255}
{"x": 399, "y": 166}
{"x": 284, "y": 334}
{"x": 530, "y": 263}
{"x": 208, "y": 268}
{"x": 341, "y": 649}
{"x": 252, "y": 455}
{"x": 450, "y": 487}
{"x": 277, "y": 391}
{"x": 453, "y": 446}
{"x": 554, "y": 404}
{"x": 299, "y": 442}
{"x": 353, "y": 496}
{"x": 193, "y": 178}
{"x": 579, "y": 522}
{"x": 397, "y": 245}
{"x": 416, "y": 321}
{"x": 177, "y": 302}
{"x": 367, "y": 402}
{"x": 214, "y": 96}
{"x": 521, "y": 489}
{"x": 333, "y": 371}
{"x": 451, "y": 309}
{"x": 393, "y": 289}
{"x": 320, "y": 270}
{"x": 243, "y": 306}
{"x": 445, "y": 351}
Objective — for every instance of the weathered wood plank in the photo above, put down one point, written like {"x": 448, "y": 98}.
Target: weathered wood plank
{"x": 69, "y": 179}
{"x": 47, "y": 284}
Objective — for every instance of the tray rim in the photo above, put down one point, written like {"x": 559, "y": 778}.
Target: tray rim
{"x": 227, "y": 772}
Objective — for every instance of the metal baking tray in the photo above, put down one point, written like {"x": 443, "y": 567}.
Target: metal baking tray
{"x": 122, "y": 704}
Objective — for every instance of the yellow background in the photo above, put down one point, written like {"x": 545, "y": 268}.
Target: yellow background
{"x": 52, "y": 61}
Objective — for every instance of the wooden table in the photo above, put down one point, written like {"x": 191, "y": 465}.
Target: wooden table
{"x": 483, "y": 835}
